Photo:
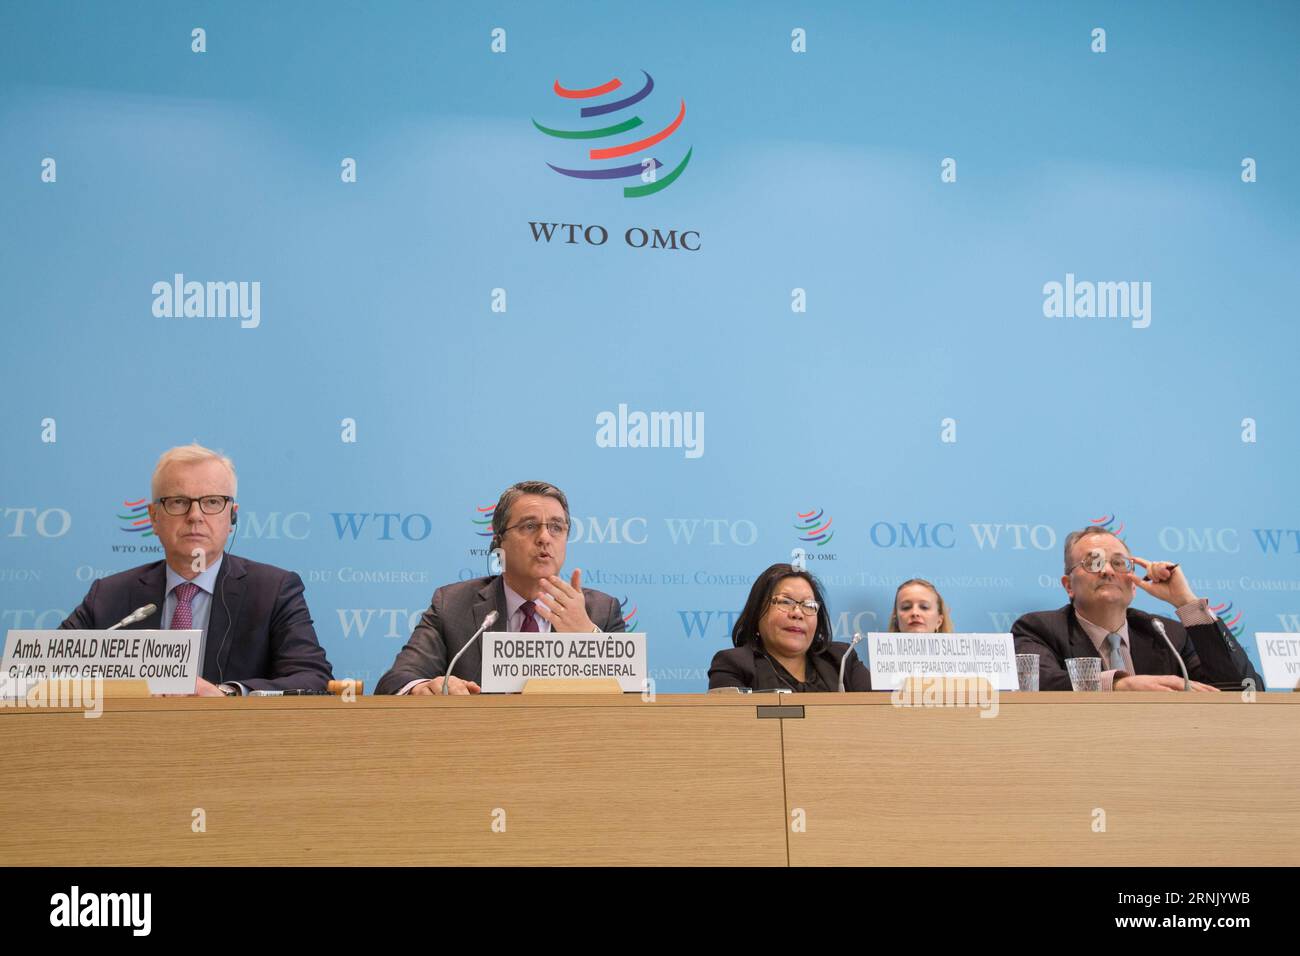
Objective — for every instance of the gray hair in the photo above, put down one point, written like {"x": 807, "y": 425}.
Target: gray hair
{"x": 501, "y": 514}
{"x": 190, "y": 454}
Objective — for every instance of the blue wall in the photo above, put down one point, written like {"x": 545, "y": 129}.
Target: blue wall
{"x": 818, "y": 171}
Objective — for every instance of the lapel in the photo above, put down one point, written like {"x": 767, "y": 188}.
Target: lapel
{"x": 764, "y": 676}
{"x": 149, "y": 588}
{"x": 223, "y": 616}
{"x": 492, "y": 596}
{"x": 1147, "y": 648}
{"x": 1077, "y": 641}
{"x": 825, "y": 664}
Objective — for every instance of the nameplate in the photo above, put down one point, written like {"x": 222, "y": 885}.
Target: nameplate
{"x": 512, "y": 659}
{"x": 167, "y": 660}
{"x": 896, "y": 657}
{"x": 1280, "y": 655}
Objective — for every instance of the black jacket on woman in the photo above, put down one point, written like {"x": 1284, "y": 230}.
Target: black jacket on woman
{"x": 748, "y": 666}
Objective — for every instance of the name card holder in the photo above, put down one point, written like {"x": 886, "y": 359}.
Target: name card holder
{"x": 129, "y": 662}
{"x": 572, "y": 685}
{"x": 559, "y": 663}
{"x": 120, "y": 688}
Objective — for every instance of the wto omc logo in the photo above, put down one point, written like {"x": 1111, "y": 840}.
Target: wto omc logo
{"x": 629, "y": 617}
{"x": 1107, "y": 523}
{"x": 136, "y": 520}
{"x": 1233, "y": 624}
{"x": 646, "y": 167}
{"x": 812, "y": 529}
{"x": 483, "y": 518}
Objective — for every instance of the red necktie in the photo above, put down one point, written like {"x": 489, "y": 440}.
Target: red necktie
{"x": 530, "y": 622}
{"x": 183, "y": 615}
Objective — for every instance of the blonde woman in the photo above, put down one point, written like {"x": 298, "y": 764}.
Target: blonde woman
{"x": 919, "y": 608}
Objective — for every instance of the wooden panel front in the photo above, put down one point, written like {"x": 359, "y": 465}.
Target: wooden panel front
{"x": 385, "y": 780}
{"x": 1181, "y": 779}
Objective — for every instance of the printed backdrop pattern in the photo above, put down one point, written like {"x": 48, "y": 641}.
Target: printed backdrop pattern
{"x": 908, "y": 288}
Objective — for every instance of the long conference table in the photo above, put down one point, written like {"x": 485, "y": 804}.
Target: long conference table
{"x": 814, "y": 779}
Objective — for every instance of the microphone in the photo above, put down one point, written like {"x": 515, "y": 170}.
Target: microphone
{"x": 139, "y": 614}
{"x": 228, "y": 549}
{"x": 845, "y": 659}
{"x": 1159, "y": 625}
{"x": 487, "y": 622}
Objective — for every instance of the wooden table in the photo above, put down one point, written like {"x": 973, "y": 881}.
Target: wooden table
{"x": 1176, "y": 779}
{"x": 691, "y": 779}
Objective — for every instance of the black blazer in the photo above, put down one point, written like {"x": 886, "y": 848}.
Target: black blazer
{"x": 270, "y": 643}
{"x": 748, "y": 666}
{"x": 1211, "y": 653}
{"x": 455, "y": 613}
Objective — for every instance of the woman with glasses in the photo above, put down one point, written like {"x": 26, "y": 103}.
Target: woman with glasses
{"x": 919, "y": 608}
{"x": 783, "y": 640}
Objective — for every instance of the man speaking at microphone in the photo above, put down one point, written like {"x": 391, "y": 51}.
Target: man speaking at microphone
{"x": 258, "y": 633}
{"x": 530, "y": 529}
{"x": 1101, "y": 581}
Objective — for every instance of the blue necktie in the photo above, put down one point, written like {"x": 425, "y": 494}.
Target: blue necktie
{"x": 1116, "y": 658}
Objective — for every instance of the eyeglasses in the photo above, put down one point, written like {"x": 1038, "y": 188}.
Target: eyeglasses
{"x": 789, "y": 604}
{"x": 177, "y": 505}
{"x": 1094, "y": 561}
{"x": 558, "y": 527}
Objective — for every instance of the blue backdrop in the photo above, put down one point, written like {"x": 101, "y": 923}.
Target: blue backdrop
{"x": 849, "y": 287}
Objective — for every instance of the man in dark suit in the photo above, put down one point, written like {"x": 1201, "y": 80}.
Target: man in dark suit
{"x": 530, "y": 531}
{"x": 1098, "y": 622}
{"x": 258, "y": 633}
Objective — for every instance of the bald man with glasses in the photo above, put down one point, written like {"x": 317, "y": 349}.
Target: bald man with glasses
{"x": 1101, "y": 579}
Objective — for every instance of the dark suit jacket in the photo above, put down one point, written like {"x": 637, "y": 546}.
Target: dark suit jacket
{"x": 1210, "y": 652}
{"x": 748, "y": 666}
{"x": 456, "y": 612}
{"x": 259, "y": 610}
